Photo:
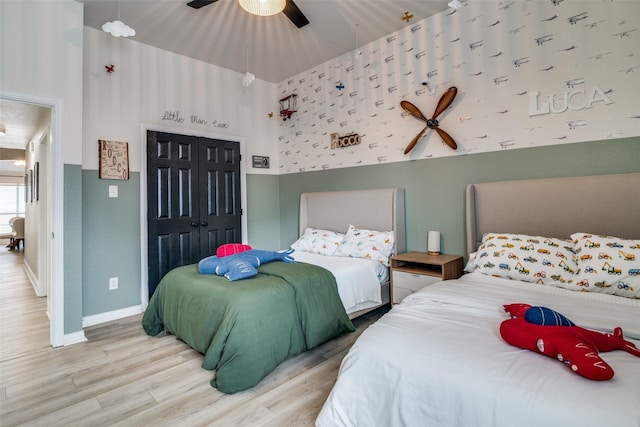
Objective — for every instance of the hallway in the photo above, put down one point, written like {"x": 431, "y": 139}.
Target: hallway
{"x": 24, "y": 326}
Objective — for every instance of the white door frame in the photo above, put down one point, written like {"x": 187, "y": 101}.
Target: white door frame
{"x": 54, "y": 213}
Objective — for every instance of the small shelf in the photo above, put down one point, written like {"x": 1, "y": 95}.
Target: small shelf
{"x": 408, "y": 268}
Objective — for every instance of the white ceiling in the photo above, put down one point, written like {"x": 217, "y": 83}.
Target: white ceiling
{"x": 20, "y": 121}
{"x": 224, "y": 34}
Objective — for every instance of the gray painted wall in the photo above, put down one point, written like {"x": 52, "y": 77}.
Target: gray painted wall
{"x": 434, "y": 200}
{"x": 72, "y": 224}
{"x": 263, "y": 212}
{"x": 110, "y": 223}
{"x": 434, "y": 188}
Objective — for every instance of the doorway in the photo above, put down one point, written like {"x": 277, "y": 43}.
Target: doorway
{"x": 50, "y": 252}
{"x": 194, "y": 199}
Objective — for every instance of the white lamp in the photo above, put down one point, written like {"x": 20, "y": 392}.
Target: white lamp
{"x": 263, "y": 7}
{"x": 433, "y": 242}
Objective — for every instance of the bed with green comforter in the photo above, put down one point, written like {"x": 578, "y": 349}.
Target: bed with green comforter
{"x": 246, "y": 328}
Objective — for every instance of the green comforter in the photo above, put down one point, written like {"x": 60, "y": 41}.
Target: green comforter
{"x": 246, "y": 328}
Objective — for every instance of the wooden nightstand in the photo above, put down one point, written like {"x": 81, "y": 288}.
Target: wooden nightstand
{"x": 412, "y": 271}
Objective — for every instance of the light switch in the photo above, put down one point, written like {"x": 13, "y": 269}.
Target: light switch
{"x": 113, "y": 191}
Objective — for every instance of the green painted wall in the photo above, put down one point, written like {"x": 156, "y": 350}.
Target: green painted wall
{"x": 263, "y": 212}
{"x": 72, "y": 223}
{"x": 111, "y": 238}
{"x": 434, "y": 188}
{"x": 109, "y": 228}
{"x": 111, "y": 243}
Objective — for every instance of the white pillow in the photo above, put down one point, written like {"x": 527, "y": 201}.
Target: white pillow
{"x": 608, "y": 265}
{"x": 536, "y": 259}
{"x": 323, "y": 242}
{"x": 369, "y": 244}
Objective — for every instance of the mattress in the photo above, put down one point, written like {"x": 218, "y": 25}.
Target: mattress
{"x": 358, "y": 279}
{"x": 438, "y": 359}
{"x": 246, "y": 328}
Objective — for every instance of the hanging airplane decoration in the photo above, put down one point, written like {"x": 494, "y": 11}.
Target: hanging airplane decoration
{"x": 432, "y": 123}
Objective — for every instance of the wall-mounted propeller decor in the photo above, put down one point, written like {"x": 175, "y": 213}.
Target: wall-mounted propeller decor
{"x": 432, "y": 123}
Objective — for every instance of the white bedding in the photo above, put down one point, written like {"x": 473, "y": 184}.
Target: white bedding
{"x": 358, "y": 279}
{"x": 438, "y": 359}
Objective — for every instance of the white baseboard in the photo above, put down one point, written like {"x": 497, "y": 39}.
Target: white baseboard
{"x": 97, "y": 319}
{"x": 73, "y": 338}
{"x": 33, "y": 279}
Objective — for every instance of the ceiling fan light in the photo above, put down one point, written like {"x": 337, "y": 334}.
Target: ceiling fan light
{"x": 263, "y": 7}
{"x": 455, "y": 4}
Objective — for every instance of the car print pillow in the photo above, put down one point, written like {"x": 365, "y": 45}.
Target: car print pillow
{"x": 536, "y": 259}
{"x": 608, "y": 264}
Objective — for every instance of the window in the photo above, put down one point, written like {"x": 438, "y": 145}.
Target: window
{"x": 11, "y": 204}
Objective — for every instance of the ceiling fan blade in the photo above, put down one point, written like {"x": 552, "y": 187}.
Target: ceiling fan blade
{"x": 446, "y": 138}
{"x": 445, "y": 101}
{"x": 413, "y": 110}
{"x": 292, "y": 11}
{"x": 415, "y": 140}
{"x": 295, "y": 14}
{"x": 197, "y": 4}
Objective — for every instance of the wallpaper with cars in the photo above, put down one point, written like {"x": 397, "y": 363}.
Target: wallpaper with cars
{"x": 528, "y": 73}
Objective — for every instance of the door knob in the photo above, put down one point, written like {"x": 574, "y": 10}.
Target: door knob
{"x": 204, "y": 223}
{"x": 194, "y": 224}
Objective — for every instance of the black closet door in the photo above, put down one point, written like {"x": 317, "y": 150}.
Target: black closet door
{"x": 193, "y": 200}
{"x": 219, "y": 194}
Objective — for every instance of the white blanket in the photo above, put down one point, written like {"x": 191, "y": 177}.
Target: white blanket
{"x": 358, "y": 279}
{"x": 438, "y": 359}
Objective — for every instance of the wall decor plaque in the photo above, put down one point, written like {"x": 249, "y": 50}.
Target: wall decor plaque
{"x": 261, "y": 162}
{"x": 114, "y": 159}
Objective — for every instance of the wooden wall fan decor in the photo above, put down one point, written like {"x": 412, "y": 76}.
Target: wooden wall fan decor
{"x": 432, "y": 123}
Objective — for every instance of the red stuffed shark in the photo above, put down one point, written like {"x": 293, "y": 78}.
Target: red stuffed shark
{"x": 545, "y": 331}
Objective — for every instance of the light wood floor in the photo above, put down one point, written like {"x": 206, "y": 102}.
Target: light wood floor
{"x": 123, "y": 377}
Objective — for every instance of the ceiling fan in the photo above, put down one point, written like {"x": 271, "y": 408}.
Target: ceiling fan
{"x": 432, "y": 123}
{"x": 290, "y": 9}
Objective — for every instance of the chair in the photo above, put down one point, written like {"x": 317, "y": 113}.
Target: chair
{"x": 10, "y": 234}
{"x": 18, "y": 229}
{"x": 17, "y": 233}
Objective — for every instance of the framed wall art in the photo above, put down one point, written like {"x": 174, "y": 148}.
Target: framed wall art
{"x": 260, "y": 162}
{"x": 26, "y": 187}
{"x": 29, "y": 189}
{"x": 36, "y": 181}
{"x": 114, "y": 159}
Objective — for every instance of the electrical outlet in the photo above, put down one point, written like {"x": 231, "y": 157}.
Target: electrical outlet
{"x": 113, "y": 283}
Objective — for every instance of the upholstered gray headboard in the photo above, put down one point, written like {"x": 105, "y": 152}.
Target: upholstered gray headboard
{"x": 554, "y": 207}
{"x": 380, "y": 209}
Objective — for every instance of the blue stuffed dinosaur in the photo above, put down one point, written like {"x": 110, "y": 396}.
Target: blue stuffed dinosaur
{"x": 242, "y": 265}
